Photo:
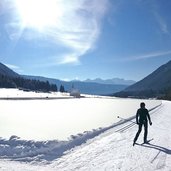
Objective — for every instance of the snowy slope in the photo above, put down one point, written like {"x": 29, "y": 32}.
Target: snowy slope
{"x": 111, "y": 150}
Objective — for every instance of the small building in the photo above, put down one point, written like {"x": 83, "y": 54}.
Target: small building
{"x": 75, "y": 93}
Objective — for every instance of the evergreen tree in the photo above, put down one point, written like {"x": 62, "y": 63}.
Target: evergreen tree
{"x": 62, "y": 89}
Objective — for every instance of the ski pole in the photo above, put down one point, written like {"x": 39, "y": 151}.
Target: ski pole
{"x": 126, "y": 119}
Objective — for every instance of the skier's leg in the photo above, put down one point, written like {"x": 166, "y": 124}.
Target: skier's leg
{"x": 138, "y": 133}
{"x": 145, "y": 131}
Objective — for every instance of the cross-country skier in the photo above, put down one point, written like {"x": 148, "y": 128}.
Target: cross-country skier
{"x": 142, "y": 117}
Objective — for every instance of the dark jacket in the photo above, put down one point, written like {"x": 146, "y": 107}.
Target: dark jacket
{"x": 142, "y": 115}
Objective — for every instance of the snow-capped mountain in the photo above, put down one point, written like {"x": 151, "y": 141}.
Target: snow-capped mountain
{"x": 84, "y": 87}
{"x": 120, "y": 81}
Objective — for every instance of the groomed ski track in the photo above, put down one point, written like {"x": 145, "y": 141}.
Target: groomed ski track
{"x": 113, "y": 149}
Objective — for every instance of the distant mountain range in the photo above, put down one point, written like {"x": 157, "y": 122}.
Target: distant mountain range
{"x": 111, "y": 81}
{"x": 9, "y": 79}
{"x": 84, "y": 87}
{"x": 158, "y": 83}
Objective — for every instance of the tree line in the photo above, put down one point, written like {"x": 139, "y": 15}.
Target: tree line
{"x": 166, "y": 94}
{"x": 26, "y": 84}
{"x": 158, "y": 94}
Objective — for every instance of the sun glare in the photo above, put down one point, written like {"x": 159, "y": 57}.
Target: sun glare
{"x": 38, "y": 14}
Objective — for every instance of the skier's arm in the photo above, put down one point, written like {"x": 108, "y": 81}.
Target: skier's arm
{"x": 149, "y": 119}
{"x": 137, "y": 114}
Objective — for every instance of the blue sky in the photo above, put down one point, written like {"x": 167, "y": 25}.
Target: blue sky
{"x": 82, "y": 39}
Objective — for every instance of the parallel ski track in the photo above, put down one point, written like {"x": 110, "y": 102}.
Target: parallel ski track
{"x": 130, "y": 125}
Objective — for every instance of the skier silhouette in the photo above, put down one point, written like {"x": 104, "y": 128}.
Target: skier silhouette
{"x": 141, "y": 119}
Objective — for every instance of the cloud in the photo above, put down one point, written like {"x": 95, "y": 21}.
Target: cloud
{"x": 148, "y": 55}
{"x": 69, "y": 58}
{"x": 77, "y": 28}
{"x": 162, "y": 23}
{"x": 155, "y": 9}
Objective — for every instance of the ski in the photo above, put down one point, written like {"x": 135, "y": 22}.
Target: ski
{"x": 147, "y": 142}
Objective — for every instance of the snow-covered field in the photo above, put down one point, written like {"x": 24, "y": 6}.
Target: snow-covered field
{"x": 50, "y": 140}
{"x": 60, "y": 118}
{"x": 16, "y": 93}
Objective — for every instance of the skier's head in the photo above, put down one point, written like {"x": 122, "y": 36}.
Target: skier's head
{"x": 142, "y": 105}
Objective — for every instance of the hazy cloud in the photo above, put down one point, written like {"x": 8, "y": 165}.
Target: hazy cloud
{"x": 155, "y": 8}
{"x": 162, "y": 23}
{"x": 69, "y": 58}
{"x": 148, "y": 55}
{"x": 77, "y": 27}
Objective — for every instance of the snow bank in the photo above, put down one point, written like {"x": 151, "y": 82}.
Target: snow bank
{"x": 43, "y": 151}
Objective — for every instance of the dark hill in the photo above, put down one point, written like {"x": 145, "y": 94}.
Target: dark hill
{"x": 4, "y": 70}
{"x": 155, "y": 84}
{"x": 158, "y": 80}
{"x": 10, "y": 79}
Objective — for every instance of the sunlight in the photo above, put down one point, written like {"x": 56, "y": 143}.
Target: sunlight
{"x": 38, "y": 14}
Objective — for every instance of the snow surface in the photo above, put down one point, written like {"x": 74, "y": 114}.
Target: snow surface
{"x": 20, "y": 94}
{"x": 60, "y": 118}
{"x": 108, "y": 148}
